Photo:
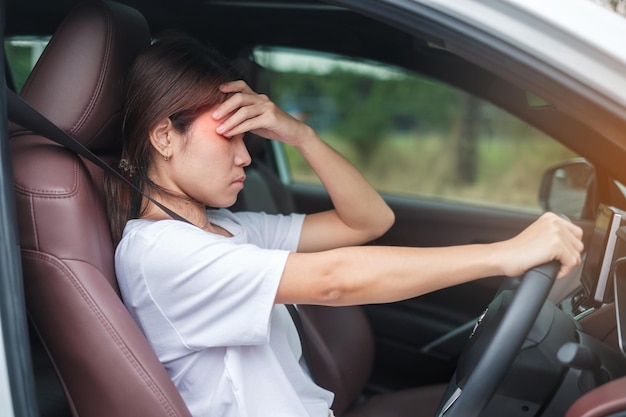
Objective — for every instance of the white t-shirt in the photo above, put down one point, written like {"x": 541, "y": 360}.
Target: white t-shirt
{"x": 206, "y": 305}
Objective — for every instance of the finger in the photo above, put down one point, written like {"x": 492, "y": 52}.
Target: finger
{"x": 569, "y": 233}
{"x": 573, "y": 228}
{"x": 232, "y": 129}
{"x": 564, "y": 271}
{"x": 568, "y": 263}
{"x": 238, "y": 100}
{"x": 579, "y": 246}
{"x": 569, "y": 258}
{"x": 577, "y": 231}
{"x": 245, "y": 119}
{"x": 574, "y": 234}
{"x": 238, "y": 86}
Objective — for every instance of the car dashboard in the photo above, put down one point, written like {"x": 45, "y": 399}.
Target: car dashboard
{"x": 597, "y": 308}
{"x": 578, "y": 344}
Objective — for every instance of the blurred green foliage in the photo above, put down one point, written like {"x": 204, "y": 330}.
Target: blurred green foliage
{"x": 22, "y": 54}
{"x": 410, "y": 135}
{"x": 363, "y": 109}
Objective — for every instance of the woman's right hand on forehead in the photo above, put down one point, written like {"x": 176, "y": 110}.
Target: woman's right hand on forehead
{"x": 247, "y": 111}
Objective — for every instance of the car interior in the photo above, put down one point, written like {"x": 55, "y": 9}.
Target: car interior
{"x": 90, "y": 358}
{"x": 79, "y": 278}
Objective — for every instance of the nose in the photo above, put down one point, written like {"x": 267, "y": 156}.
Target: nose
{"x": 242, "y": 156}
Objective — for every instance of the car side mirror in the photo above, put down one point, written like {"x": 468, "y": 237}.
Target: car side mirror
{"x": 569, "y": 188}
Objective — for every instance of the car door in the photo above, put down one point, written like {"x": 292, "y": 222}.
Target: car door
{"x": 16, "y": 376}
{"x": 460, "y": 171}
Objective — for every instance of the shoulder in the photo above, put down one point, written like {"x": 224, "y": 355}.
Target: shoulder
{"x": 237, "y": 217}
{"x": 255, "y": 219}
{"x": 142, "y": 237}
{"x": 152, "y": 229}
{"x": 272, "y": 231}
{"x": 256, "y": 223}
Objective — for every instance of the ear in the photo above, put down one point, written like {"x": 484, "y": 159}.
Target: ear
{"x": 160, "y": 137}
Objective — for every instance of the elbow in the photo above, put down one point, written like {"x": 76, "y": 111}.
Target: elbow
{"x": 388, "y": 221}
{"x": 335, "y": 296}
{"x": 332, "y": 298}
{"x": 335, "y": 288}
{"x": 384, "y": 222}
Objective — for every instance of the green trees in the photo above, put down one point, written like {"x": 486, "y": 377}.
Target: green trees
{"x": 21, "y": 55}
{"x": 409, "y": 134}
{"x": 362, "y": 108}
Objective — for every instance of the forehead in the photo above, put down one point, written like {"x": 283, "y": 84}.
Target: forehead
{"x": 204, "y": 126}
{"x": 205, "y": 119}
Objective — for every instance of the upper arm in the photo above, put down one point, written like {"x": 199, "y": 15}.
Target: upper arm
{"x": 308, "y": 278}
{"x": 325, "y": 230}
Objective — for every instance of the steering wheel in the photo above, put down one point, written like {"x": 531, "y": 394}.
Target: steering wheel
{"x": 494, "y": 343}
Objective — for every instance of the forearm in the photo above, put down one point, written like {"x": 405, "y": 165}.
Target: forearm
{"x": 357, "y": 204}
{"x": 365, "y": 275}
{"x": 359, "y": 210}
{"x": 369, "y": 274}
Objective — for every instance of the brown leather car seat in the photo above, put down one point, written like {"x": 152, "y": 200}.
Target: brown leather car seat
{"x": 102, "y": 359}
{"x": 607, "y": 400}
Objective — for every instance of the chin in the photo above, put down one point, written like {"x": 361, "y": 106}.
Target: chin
{"x": 229, "y": 204}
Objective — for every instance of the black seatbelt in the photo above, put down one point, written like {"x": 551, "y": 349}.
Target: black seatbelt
{"x": 297, "y": 320}
{"x": 26, "y": 116}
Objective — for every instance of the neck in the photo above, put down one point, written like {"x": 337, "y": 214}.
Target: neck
{"x": 192, "y": 211}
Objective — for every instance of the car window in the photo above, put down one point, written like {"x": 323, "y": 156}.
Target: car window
{"x": 408, "y": 134}
{"x": 22, "y": 53}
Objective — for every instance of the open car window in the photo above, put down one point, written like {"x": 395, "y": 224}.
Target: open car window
{"x": 410, "y": 135}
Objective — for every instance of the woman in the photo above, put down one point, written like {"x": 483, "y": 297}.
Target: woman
{"x": 209, "y": 293}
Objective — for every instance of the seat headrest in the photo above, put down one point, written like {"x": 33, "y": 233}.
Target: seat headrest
{"x": 83, "y": 67}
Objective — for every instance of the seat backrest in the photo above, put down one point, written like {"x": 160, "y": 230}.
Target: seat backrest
{"x": 339, "y": 339}
{"x": 341, "y": 351}
{"x": 103, "y": 361}
{"x": 604, "y": 401}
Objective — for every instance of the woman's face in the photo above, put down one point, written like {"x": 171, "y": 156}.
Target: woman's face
{"x": 209, "y": 167}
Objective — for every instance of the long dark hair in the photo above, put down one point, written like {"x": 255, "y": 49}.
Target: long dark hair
{"x": 175, "y": 77}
